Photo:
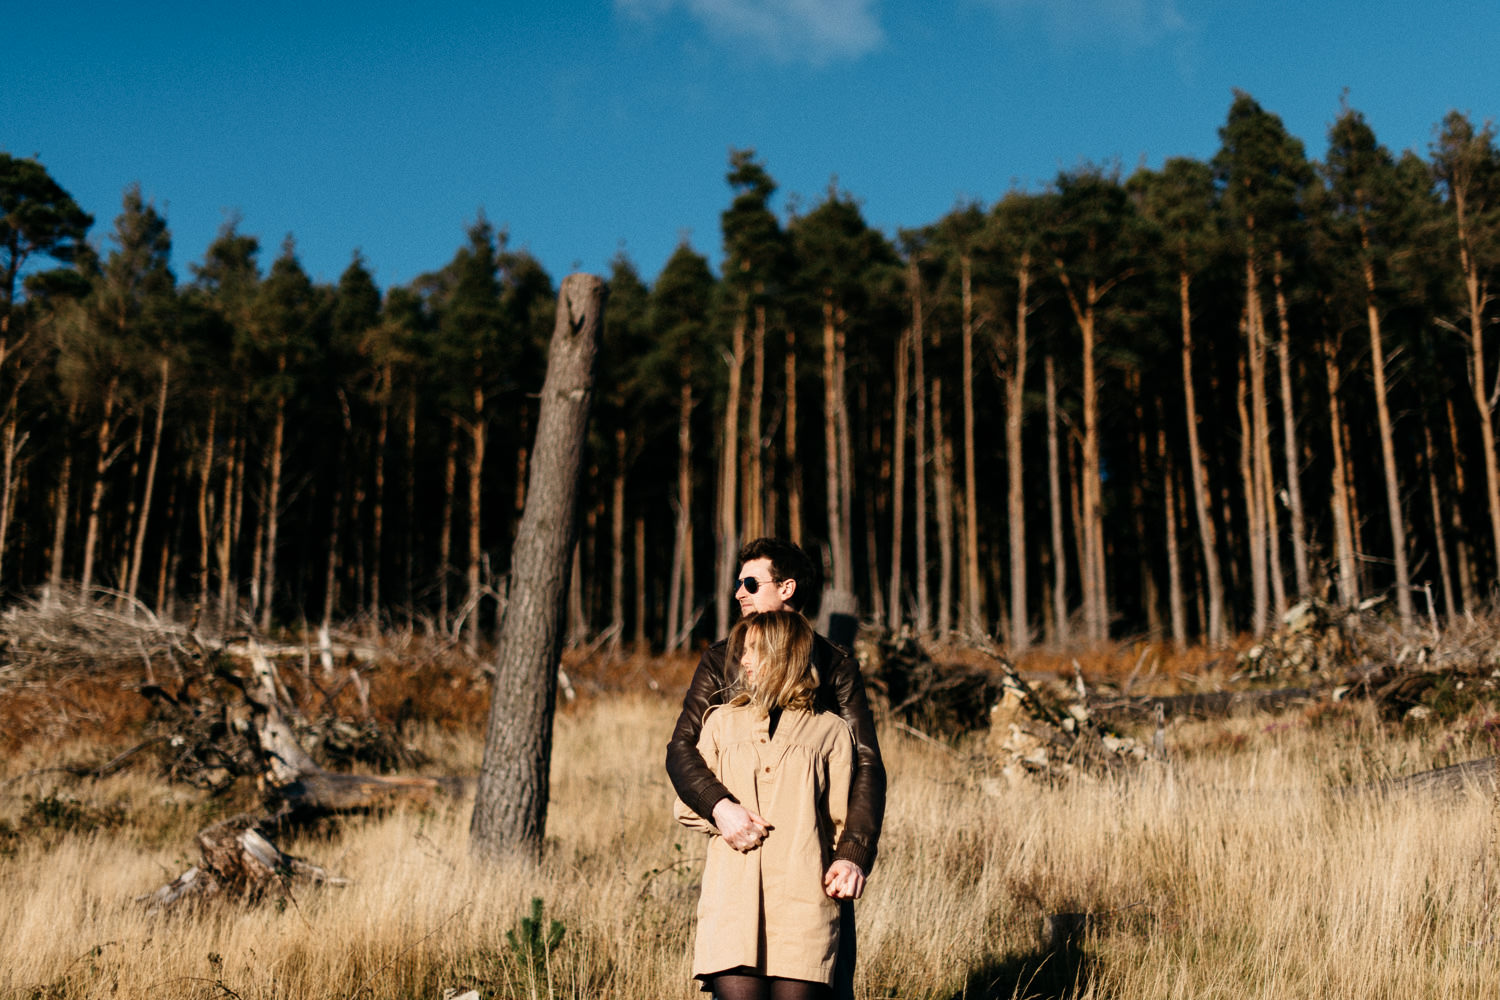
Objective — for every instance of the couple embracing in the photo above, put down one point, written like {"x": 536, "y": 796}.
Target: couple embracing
{"x": 775, "y": 758}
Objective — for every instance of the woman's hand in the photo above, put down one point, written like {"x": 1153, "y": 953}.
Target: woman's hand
{"x": 741, "y": 829}
{"x": 844, "y": 880}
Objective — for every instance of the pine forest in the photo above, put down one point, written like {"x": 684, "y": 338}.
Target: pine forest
{"x": 1172, "y": 402}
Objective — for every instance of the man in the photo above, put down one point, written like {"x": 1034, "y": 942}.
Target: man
{"x": 776, "y": 575}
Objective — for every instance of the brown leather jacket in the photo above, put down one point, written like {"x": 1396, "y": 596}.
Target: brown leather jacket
{"x": 842, "y": 690}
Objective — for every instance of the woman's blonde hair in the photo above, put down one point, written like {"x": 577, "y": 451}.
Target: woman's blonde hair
{"x": 785, "y": 676}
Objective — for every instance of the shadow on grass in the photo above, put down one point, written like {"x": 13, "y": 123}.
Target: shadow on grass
{"x": 1044, "y": 974}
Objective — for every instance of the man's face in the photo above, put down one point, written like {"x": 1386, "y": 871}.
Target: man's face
{"x": 769, "y": 595}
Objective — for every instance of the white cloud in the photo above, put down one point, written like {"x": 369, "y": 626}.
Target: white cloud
{"x": 1139, "y": 22}
{"x": 803, "y": 30}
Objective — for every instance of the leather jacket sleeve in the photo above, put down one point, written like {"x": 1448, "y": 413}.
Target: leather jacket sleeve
{"x": 692, "y": 779}
{"x": 842, "y": 690}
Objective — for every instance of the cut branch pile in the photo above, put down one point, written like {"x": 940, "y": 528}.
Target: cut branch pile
{"x": 1032, "y": 732}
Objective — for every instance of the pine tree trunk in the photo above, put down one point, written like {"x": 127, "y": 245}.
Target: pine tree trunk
{"x": 1176, "y": 607}
{"x": 898, "y": 478}
{"x": 61, "y": 504}
{"x": 919, "y": 452}
{"x": 1055, "y": 504}
{"x": 1150, "y": 596}
{"x": 1467, "y": 586}
{"x": 617, "y": 547}
{"x": 510, "y": 807}
{"x": 679, "y": 596}
{"x": 942, "y": 480}
{"x": 1435, "y": 496}
{"x": 229, "y": 531}
{"x": 1343, "y": 532}
{"x": 335, "y": 518}
{"x": 973, "y": 620}
{"x": 754, "y": 476}
{"x": 96, "y": 496}
{"x": 1254, "y": 498}
{"x": 205, "y": 507}
{"x": 1404, "y": 607}
{"x": 843, "y": 595}
{"x": 1476, "y": 291}
{"x": 1207, "y": 532}
{"x": 729, "y": 531}
{"x": 840, "y": 583}
{"x": 409, "y": 491}
{"x": 11, "y": 443}
{"x": 273, "y": 509}
{"x": 642, "y": 643}
{"x": 1015, "y": 401}
{"x": 123, "y": 552}
{"x": 1289, "y": 440}
{"x": 445, "y": 534}
{"x": 794, "y": 478}
{"x": 1262, "y": 542}
{"x": 479, "y": 435}
{"x": 377, "y": 513}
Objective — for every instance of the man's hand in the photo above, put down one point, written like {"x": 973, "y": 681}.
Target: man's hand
{"x": 843, "y": 880}
{"x": 741, "y": 828}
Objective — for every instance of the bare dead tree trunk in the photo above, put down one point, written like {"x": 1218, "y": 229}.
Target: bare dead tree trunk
{"x": 510, "y": 807}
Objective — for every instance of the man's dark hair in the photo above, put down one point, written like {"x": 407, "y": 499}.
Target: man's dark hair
{"x": 788, "y": 562}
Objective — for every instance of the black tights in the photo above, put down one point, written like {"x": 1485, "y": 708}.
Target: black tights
{"x": 740, "y": 986}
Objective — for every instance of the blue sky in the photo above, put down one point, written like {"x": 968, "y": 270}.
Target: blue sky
{"x": 586, "y": 126}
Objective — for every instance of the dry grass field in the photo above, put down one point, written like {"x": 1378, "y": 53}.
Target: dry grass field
{"x": 1240, "y": 867}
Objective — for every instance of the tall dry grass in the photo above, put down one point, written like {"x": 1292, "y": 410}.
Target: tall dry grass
{"x": 1233, "y": 871}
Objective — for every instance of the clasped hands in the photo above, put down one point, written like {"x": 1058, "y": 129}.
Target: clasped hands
{"x": 743, "y": 830}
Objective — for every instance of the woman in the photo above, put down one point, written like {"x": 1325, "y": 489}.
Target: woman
{"x": 767, "y": 928}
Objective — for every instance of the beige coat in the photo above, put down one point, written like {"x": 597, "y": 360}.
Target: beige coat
{"x": 766, "y": 910}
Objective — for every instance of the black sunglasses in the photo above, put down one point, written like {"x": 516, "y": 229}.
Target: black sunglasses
{"x": 751, "y": 584}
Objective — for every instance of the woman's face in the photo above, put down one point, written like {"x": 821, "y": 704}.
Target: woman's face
{"x": 750, "y": 659}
